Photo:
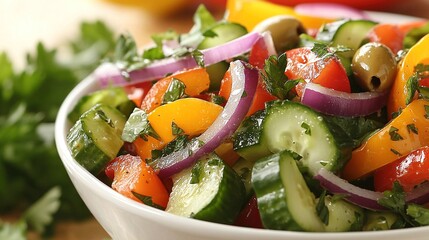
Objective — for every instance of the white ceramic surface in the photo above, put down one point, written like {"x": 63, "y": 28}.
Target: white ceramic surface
{"x": 125, "y": 219}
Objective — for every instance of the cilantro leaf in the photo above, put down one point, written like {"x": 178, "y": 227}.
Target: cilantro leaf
{"x": 196, "y": 172}
{"x": 17, "y": 231}
{"x": 275, "y": 79}
{"x": 324, "y": 50}
{"x": 29, "y": 161}
{"x": 40, "y": 214}
{"x": 147, "y": 200}
{"x": 395, "y": 200}
{"x": 138, "y": 125}
{"x": 175, "y": 91}
{"x": 322, "y": 210}
{"x": 419, "y": 213}
{"x": 411, "y": 86}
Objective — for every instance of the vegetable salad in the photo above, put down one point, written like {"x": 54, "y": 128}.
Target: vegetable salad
{"x": 298, "y": 122}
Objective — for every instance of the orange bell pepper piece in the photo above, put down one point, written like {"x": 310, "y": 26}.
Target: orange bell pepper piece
{"x": 196, "y": 80}
{"x": 398, "y": 93}
{"x": 251, "y": 12}
{"x": 192, "y": 115}
{"x": 406, "y": 132}
{"x": 132, "y": 174}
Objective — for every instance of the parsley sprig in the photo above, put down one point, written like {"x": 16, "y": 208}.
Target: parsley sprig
{"x": 275, "y": 80}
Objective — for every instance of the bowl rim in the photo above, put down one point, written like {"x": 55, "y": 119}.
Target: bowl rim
{"x": 90, "y": 84}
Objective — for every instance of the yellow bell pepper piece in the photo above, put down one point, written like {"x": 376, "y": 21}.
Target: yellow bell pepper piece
{"x": 398, "y": 93}
{"x": 408, "y": 131}
{"x": 251, "y": 12}
{"x": 192, "y": 115}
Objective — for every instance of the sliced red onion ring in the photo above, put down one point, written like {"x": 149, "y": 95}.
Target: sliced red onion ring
{"x": 419, "y": 195}
{"x": 268, "y": 43}
{"x": 332, "y": 102}
{"x": 330, "y": 10}
{"x": 366, "y": 198}
{"x": 244, "y": 81}
{"x": 109, "y": 74}
{"x": 359, "y": 196}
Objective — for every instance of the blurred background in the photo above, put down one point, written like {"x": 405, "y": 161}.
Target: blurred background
{"x": 58, "y": 25}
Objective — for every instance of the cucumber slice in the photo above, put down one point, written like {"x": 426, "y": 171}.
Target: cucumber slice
{"x": 225, "y": 32}
{"x": 284, "y": 200}
{"x": 217, "y": 195}
{"x": 377, "y": 221}
{"x": 298, "y": 128}
{"x": 95, "y": 139}
{"x": 348, "y": 33}
{"x": 343, "y": 216}
{"x": 113, "y": 96}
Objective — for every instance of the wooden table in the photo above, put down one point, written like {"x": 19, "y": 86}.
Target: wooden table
{"x": 54, "y": 22}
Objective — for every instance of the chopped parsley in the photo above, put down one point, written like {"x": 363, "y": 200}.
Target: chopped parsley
{"x": 175, "y": 91}
{"x": 275, "y": 79}
{"x": 394, "y": 135}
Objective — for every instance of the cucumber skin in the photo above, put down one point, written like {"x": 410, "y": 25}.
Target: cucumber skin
{"x": 112, "y": 96}
{"x": 224, "y": 34}
{"x": 227, "y": 204}
{"x": 271, "y": 196}
{"x": 82, "y": 144}
{"x": 248, "y": 141}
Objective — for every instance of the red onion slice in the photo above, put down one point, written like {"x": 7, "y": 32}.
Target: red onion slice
{"x": 110, "y": 74}
{"x": 244, "y": 81}
{"x": 332, "y": 102}
{"x": 419, "y": 195}
{"x": 330, "y": 10}
{"x": 366, "y": 198}
{"x": 359, "y": 196}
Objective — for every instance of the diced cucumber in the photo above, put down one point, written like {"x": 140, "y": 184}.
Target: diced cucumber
{"x": 113, "y": 96}
{"x": 343, "y": 216}
{"x": 95, "y": 139}
{"x": 248, "y": 141}
{"x": 348, "y": 33}
{"x": 377, "y": 221}
{"x": 284, "y": 200}
{"x": 210, "y": 191}
{"x": 222, "y": 33}
{"x": 296, "y": 127}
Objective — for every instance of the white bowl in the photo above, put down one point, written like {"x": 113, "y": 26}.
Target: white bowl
{"x": 125, "y": 219}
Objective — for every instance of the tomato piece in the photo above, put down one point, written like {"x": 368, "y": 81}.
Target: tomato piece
{"x": 136, "y": 92}
{"x": 249, "y": 216}
{"x": 302, "y": 63}
{"x": 225, "y": 85}
{"x": 133, "y": 175}
{"x": 259, "y": 99}
{"x": 388, "y": 34}
{"x": 424, "y": 82}
{"x": 410, "y": 171}
{"x": 258, "y": 54}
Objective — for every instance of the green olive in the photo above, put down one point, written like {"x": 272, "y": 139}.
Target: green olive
{"x": 374, "y": 65}
{"x": 285, "y": 31}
